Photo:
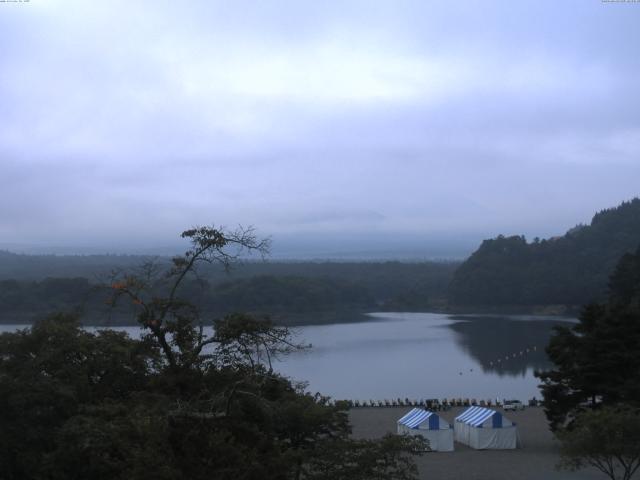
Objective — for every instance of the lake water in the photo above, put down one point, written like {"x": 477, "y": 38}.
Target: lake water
{"x": 420, "y": 355}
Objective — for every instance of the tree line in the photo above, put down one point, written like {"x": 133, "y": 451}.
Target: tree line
{"x": 569, "y": 270}
{"x": 314, "y": 289}
{"x": 592, "y": 395}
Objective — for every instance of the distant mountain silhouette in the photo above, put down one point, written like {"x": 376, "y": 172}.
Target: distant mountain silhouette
{"x": 568, "y": 270}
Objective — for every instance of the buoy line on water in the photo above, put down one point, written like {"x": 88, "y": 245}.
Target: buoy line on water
{"x": 444, "y": 404}
{"x": 511, "y": 356}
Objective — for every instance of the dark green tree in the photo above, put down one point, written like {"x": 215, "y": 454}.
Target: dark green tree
{"x": 50, "y": 374}
{"x": 597, "y": 360}
{"x": 180, "y": 402}
{"x": 607, "y": 439}
{"x": 568, "y": 270}
{"x": 155, "y": 293}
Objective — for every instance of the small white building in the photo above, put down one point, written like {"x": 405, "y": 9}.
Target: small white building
{"x": 482, "y": 428}
{"x": 430, "y": 426}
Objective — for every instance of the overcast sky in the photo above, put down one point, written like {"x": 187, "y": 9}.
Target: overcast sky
{"x": 125, "y": 122}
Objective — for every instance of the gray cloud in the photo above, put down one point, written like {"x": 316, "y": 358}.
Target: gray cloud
{"x": 127, "y": 121}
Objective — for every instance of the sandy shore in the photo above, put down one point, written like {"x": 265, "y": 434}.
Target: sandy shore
{"x": 536, "y": 460}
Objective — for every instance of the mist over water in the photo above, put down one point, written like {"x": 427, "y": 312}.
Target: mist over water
{"x": 293, "y": 246}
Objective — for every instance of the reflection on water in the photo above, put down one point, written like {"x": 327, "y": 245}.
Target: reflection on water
{"x": 425, "y": 355}
{"x": 420, "y": 355}
{"x": 506, "y": 345}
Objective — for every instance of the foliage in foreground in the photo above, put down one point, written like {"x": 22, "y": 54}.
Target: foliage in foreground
{"x": 592, "y": 397}
{"x": 75, "y": 404}
{"x": 176, "y": 404}
{"x": 597, "y": 361}
{"x": 607, "y": 439}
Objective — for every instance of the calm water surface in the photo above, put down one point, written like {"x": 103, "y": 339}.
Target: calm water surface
{"x": 420, "y": 355}
{"x": 425, "y": 355}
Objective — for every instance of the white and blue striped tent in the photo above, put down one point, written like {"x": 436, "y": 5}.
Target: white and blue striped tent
{"x": 483, "y": 428}
{"x": 429, "y": 425}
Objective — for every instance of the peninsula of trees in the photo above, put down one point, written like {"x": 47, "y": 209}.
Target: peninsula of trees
{"x": 569, "y": 270}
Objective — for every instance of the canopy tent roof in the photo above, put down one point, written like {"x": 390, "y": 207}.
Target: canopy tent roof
{"x": 417, "y": 416}
{"x": 476, "y": 416}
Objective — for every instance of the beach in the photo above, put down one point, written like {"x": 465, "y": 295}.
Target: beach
{"x": 536, "y": 460}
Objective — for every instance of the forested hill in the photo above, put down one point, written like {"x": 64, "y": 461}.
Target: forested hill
{"x": 568, "y": 270}
{"x": 31, "y": 287}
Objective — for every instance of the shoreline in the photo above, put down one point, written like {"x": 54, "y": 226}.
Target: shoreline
{"x": 294, "y": 319}
{"x": 536, "y": 459}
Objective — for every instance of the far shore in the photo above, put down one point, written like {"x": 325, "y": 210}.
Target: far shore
{"x": 298, "y": 319}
